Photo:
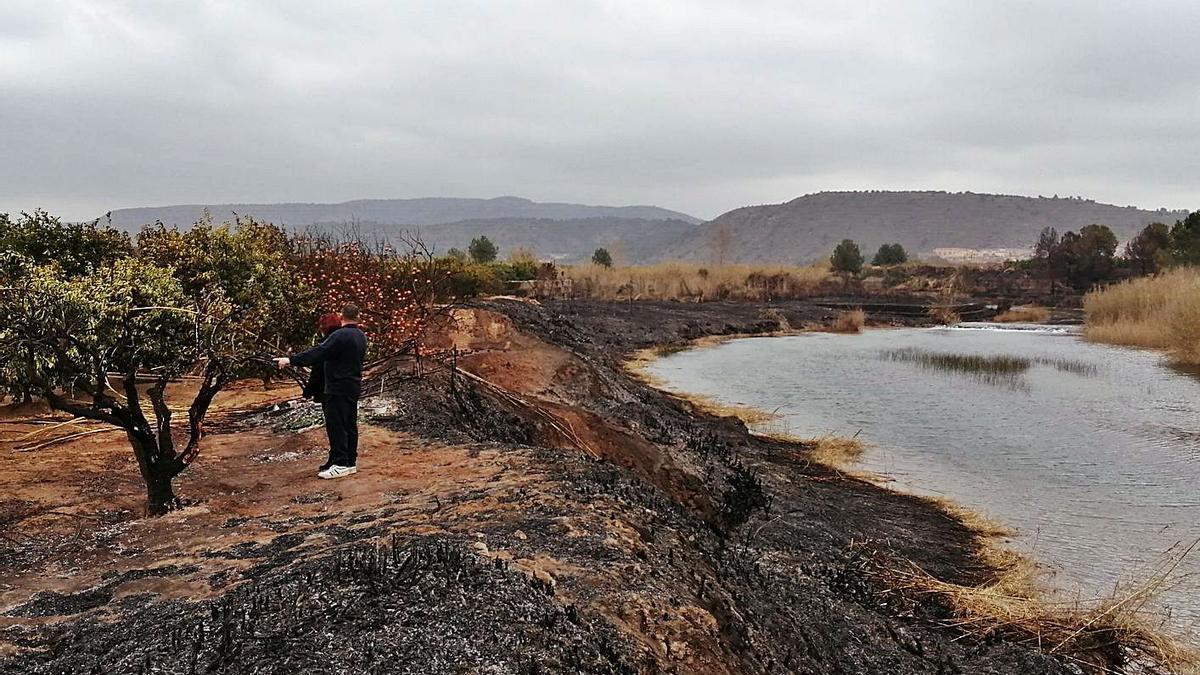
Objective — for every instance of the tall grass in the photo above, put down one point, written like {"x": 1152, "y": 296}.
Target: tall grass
{"x": 684, "y": 281}
{"x": 1161, "y": 312}
{"x": 1029, "y": 314}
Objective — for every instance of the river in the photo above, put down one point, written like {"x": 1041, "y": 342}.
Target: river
{"x": 1091, "y": 452}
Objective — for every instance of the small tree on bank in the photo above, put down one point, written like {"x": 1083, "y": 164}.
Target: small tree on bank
{"x": 482, "y": 250}
{"x": 1185, "y": 240}
{"x": 890, "y": 254}
{"x": 1150, "y": 250}
{"x": 602, "y": 258}
{"x": 847, "y": 258}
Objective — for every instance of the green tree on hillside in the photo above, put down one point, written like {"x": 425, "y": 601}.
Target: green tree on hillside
{"x": 1150, "y": 249}
{"x": 890, "y": 254}
{"x": 482, "y": 250}
{"x": 456, "y": 254}
{"x": 602, "y": 257}
{"x": 1185, "y": 240}
{"x": 846, "y": 258}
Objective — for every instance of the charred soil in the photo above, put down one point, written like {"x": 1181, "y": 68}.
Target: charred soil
{"x": 525, "y": 507}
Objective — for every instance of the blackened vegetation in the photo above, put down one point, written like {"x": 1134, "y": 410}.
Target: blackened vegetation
{"x": 779, "y": 556}
{"x": 425, "y": 606}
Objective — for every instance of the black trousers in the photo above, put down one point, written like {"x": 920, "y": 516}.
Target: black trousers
{"x": 341, "y": 424}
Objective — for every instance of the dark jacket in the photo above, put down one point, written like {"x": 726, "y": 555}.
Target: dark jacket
{"x": 314, "y": 388}
{"x": 341, "y": 358}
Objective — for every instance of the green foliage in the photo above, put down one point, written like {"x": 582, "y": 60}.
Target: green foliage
{"x": 846, "y": 258}
{"x": 466, "y": 279}
{"x": 244, "y": 275}
{"x": 1150, "y": 249}
{"x": 482, "y": 250}
{"x": 1078, "y": 258}
{"x": 456, "y": 254}
{"x": 1185, "y": 240}
{"x": 68, "y": 332}
{"x": 602, "y": 257}
{"x": 41, "y": 239}
{"x": 890, "y": 254}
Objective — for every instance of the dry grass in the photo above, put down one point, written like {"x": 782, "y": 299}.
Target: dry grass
{"x": 748, "y": 415}
{"x": 1087, "y": 632}
{"x": 944, "y": 314}
{"x": 849, "y": 321}
{"x": 836, "y": 452}
{"x": 1161, "y": 312}
{"x": 1029, "y": 314}
{"x": 684, "y": 281}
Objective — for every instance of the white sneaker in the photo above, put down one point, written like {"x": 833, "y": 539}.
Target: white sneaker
{"x": 336, "y": 471}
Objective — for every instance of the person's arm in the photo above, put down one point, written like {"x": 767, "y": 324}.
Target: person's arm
{"x": 330, "y": 347}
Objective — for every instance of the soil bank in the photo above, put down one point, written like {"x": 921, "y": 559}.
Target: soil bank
{"x": 528, "y": 508}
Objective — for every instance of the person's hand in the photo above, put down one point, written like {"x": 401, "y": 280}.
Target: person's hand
{"x": 282, "y": 362}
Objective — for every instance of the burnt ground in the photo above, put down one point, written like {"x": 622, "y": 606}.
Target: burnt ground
{"x": 534, "y": 509}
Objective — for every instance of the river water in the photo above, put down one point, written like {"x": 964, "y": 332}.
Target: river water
{"x": 1091, "y": 452}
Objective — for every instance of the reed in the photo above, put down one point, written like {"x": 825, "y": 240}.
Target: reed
{"x": 1161, "y": 312}
{"x": 1029, "y": 314}
{"x": 686, "y": 281}
{"x": 1097, "y": 634}
{"x": 849, "y": 321}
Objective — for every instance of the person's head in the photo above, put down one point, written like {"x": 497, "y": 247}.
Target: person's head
{"x": 329, "y": 323}
{"x": 350, "y": 313}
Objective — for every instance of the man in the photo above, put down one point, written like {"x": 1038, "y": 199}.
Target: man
{"x": 341, "y": 356}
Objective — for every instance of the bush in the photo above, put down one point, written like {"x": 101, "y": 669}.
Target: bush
{"x": 890, "y": 254}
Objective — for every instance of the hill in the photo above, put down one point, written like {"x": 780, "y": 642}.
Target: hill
{"x": 630, "y": 240}
{"x": 423, "y": 211}
{"x": 807, "y": 228}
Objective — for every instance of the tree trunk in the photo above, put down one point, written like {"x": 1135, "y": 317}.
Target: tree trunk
{"x": 160, "y": 497}
{"x": 156, "y": 473}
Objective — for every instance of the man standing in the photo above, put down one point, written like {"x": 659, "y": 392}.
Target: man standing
{"x": 341, "y": 355}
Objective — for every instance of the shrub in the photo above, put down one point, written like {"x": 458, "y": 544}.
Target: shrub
{"x": 890, "y": 254}
{"x": 849, "y": 321}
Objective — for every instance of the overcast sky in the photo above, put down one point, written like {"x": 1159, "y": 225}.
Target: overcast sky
{"x": 693, "y": 105}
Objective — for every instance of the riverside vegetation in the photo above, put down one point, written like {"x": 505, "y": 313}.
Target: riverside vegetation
{"x": 1160, "y": 312}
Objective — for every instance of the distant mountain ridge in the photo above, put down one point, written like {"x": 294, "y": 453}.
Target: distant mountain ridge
{"x": 807, "y": 228}
{"x": 412, "y": 212}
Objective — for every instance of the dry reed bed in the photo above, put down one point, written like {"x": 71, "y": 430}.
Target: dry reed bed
{"x": 1029, "y": 314}
{"x": 684, "y": 281}
{"x": 1161, "y": 312}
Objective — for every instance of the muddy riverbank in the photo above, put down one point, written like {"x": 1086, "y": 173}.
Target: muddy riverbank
{"x": 529, "y": 508}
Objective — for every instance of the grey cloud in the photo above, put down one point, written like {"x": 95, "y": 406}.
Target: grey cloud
{"x": 695, "y": 105}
